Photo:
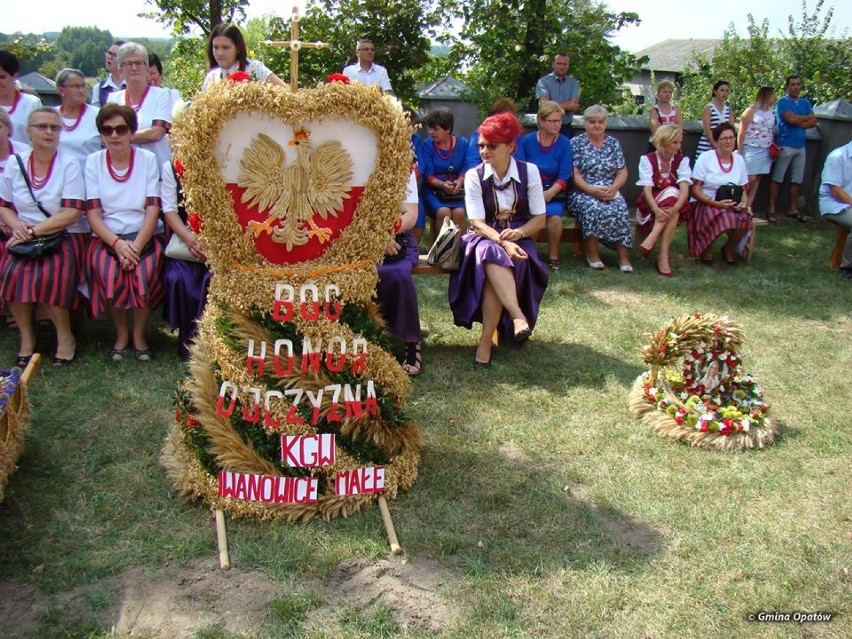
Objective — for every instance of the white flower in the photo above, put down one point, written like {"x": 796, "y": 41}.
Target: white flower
{"x": 684, "y": 396}
{"x": 746, "y": 422}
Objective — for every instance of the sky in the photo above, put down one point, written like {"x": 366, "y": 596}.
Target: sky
{"x": 661, "y": 19}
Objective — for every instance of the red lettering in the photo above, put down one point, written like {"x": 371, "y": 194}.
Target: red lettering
{"x": 220, "y": 406}
{"x": 293, "y": 417}
{"x": 311, "y": 362}
{"x": 287, "y": 315}
{"x": 240, "y": 492}
{"x": 335, "y": 366}
{"x": 332, "y": 311}
{"x": 309, "y": 460}
{"x": 276, "y": 360}
{"x": 371, "y": 406}
{"x": 287, "y": 444}
{"x": 313, "y": 314}
{"x": 269, "y": 421}
{"x": 359, "y": 364}
{"x": 334, "y": 413}
{"x": 252, "y": 417}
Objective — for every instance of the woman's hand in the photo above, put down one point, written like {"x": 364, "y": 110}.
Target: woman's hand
{"x": 392, "y": 247}
{"x": 20, "y": 231}
{"x": 128, "y": 256}
{"x": 609, "y": 193}
{"x": 511, "y": 235}
{"x": 196, "y": 249}
{"x": 663, "y": 214}
{"x": 724, "y": 204}
{"x": 514, "y": 251}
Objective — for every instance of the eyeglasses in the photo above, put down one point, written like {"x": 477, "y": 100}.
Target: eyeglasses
{"x": 559, "y": 121}
{"x": 487, "y": 145}
{"x": 121, "y": 129}
{"x": 134, "y": 64}
{"x": 727, "y": 138}
{"x": 53, "y": 128}
{"x": 75, "y": 86}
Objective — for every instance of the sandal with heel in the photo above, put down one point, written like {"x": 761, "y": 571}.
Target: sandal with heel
{"x": 412, "y": 364}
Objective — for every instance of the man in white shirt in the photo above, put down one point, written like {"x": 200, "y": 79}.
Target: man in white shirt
{"x": 113, "y": 80}
{"x": 365, "y": 71}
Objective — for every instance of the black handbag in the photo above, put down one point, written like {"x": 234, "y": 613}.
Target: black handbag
{"x": 402, "y": 240}
{"x": 729, "y": 191}
{"x": 40, "y": 246}
{"x": 447, "y": 198}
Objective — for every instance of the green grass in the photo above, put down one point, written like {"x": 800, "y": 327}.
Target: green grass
{"x": 553, "y": 511}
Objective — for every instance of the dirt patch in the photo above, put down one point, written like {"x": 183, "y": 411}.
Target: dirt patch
{"x": 513, "y": 452}
{"x": 410, "y": 588}
{"x": 176, "y": 600}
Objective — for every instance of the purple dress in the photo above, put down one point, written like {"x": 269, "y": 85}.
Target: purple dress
{"x": 397, "y": 296}
{"x": 466, "y": 285}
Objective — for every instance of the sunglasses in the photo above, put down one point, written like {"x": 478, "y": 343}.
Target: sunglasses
{"x": 487, "y": 145}
{"x": 55, "y": 128}
{"x": 121, "y": 129}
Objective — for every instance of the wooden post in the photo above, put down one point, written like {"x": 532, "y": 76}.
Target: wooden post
{"x": 396, "y": 549}
{"x": 222, "y": 538}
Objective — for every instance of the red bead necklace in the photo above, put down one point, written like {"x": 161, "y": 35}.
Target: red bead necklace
{"x": 79, "y": 119}
{"x": 446, "y": 155}
{"x": 141, "y": 100}
{"x": 722, "y": 167}
{"x": 126, "y": 176}
{"x": 34, "y": 179}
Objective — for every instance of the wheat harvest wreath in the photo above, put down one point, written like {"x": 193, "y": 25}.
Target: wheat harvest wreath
{"x": 695, "y": 391}
{"x": 293, "y": 407}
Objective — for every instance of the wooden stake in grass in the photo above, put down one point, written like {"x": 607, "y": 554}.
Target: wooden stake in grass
{"x": 396, "y": 549}
{"x": 222, "y": 537}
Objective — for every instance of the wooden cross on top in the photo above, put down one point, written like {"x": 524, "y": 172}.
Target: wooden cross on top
{"x": 295, "y": 45}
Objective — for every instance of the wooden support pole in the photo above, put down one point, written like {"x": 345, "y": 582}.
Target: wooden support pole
{"x": 396, "y": 549}
{"x": 222, "y": 538}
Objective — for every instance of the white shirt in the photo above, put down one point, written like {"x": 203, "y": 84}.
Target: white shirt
{"x": 258, "y": 71}
{"x": 95, "y": 100}
{"x": 123, "y": 204}
{"x": 15, "y": 147}
{"x": 84, "y": 139}
{"x": 156, "y": 109}
{"x": 376, "y": 75}
{"x": 707, "y": 170}
{"x": 473, "y": 203}
{"x": 18, "y": 112}
{"x": 646, "y": 172}
{"x": 64, "y": 189}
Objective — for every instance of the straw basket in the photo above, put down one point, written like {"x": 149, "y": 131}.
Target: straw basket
{"x": 14, "y": 422}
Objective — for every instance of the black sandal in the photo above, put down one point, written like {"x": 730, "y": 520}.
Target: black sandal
{"x": 23, "y": 360}
{"x": 413, "y": 361}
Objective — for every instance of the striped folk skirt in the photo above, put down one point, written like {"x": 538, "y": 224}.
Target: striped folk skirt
{"x": 48, "y": 280}
{"x": 113, "y": 286}
{"x": 706, "y": 223}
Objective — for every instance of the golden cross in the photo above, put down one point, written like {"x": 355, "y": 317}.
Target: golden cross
{"x": 295, "y": 45}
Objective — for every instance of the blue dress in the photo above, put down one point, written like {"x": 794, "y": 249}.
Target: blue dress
{"x": 443, "y": 168}
{"x": 607, "y": 221}
{"x": 467, "y": 284}
{"x": 555, "y": 163}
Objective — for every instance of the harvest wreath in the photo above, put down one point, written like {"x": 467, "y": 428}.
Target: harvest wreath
{"x": 290, "y": 312}
{"x": 705, "y": 401}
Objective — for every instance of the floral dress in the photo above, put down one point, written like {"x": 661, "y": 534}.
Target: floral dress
{"x": 607, "y": 221}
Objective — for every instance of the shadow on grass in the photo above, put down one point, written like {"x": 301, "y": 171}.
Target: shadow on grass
{"x": 492, "y": 510}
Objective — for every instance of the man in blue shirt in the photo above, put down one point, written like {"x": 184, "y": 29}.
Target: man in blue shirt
{"x": 562, "y": 88}
{"x": 794, "y": 116}
{"x": 112, "y": 81}
{"x": 835, "y": 197}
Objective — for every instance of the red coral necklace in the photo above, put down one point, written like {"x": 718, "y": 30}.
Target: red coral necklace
{"x": 141, "y": 100}
{"x": 722, "y": 166}
{"x": 126, "y": 175}
{"x": 39, "y": 183}
{"x": 79, "y": 119}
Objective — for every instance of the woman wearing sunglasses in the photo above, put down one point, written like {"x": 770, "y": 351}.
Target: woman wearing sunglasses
{"x": 126, "y": 256}
{"x": 501, "y": 279}
{"x": 40, "y": 196}
{"x": 153, "y": 105}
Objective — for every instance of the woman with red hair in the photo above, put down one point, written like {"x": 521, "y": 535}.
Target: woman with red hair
{"x": 501, "y": 279}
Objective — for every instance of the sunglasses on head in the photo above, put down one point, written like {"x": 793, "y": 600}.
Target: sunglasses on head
{"x": 487, "y": 145}
{"x": 121, "y": 129}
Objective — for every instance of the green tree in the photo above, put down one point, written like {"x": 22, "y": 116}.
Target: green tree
{"x": 182, "y": 16}
{"x": 506, "y": 45}
{"x": 809, "y": 49}
{"x": 31, "y": 50}
{"x": 83, "y": 48}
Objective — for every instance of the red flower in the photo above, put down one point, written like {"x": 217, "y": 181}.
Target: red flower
{"x": 194, "y": 222}
{"x": 704, "y": 427}
{"x": 179, "y": 168}
{"x": 337, "y": 77}
{"x": 727, "y": 427}
{"x": 177, "y": 415}
{"x": 191, "y": 421}
{"x": 239, "y": 76}
{"x": 678, "y": 419}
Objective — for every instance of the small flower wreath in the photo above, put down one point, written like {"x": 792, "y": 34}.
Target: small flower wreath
{"x": 705, "y": 401}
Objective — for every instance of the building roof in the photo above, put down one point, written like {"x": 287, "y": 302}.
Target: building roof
{"x": 674, "y": 55}
{"x": 839, "y": 108}
{"x": 447, "y": 88}
{"x": 37, "y": 82}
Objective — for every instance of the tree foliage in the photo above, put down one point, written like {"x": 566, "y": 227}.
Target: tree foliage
{"x": 83, "y": 48}
{"x": 506, "y": 45}
{"x": 809, "y": 49}
{"x": 184, "y": 16}
{"x": 30, "y": 49}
